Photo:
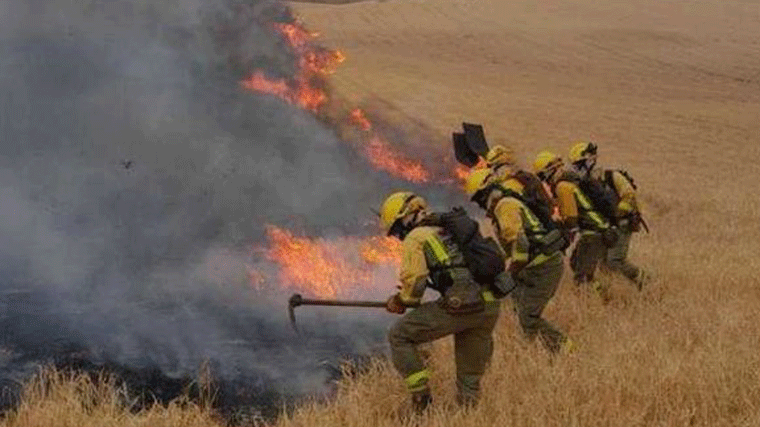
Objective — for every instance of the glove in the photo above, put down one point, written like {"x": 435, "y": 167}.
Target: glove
{"x": 394, "y": 305}
{"x": 635, "y": 221}
{"x": 570, "y": 235}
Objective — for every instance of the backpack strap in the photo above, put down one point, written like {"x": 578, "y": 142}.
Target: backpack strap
{"x": 508, "y": 192}
{"x": 504, "y": 192}
{"x": 609, "y": 181}
{"x": 628, "y": 177}
{"x": 522, "y": 177}
{"x": 566, "y": 176}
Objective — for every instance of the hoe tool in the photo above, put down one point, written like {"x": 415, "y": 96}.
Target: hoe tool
{"x": 296, "y": 300}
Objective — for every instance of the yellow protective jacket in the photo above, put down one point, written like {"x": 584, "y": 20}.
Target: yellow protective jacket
{"x": 425, "y": 248}
{"x": 516, "y": 225}
{"x": 575, "y": 208}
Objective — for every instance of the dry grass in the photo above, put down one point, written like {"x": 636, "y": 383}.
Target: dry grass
{"x": 671, "y": 91}
{"x": 58, "y": 399}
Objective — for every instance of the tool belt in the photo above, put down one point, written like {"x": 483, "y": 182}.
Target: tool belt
{"x": 553, "y": 241}
{"x": 462, "y": 295}
{"x": 502, "y": 285}
{"x": 548, "y": 244}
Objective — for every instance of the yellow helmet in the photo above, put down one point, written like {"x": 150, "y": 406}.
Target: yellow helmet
{"x": 546, "y": 162}
{"x": 477, "y": 180}
{"x": 500, "y": 155}
{"x": 581, "y": 150}
{"x": 399, "y": 205}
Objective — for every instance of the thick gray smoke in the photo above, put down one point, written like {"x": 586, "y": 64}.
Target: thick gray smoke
{"x": 133, "y": 170}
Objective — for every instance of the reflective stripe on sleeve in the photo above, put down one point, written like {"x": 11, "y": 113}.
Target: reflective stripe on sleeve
{"x": 438, "y": 250}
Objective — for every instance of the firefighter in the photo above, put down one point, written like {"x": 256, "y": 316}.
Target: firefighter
{"x": 534, "y": 253}
{"x": 579, "y": 219}
{"x": 430, "y": 258}
{"x": 617, "y": 196}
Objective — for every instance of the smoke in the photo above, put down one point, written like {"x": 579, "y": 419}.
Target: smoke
{"x": 134, "y": 172}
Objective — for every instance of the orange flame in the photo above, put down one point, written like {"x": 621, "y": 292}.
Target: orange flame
{"x": 461, "y": 172}
{"x": 300, "y": 93}
{"x": 382, "y": 250}
{"x": 382, "y": 157}
{"x": 296, "y": 34}
{"x": 323, "y": 62}
{"x": 259, "y": 83}
{"x": 358, "y": 117}
{"x": 325, "y": 268}
{"x": 303, "y": 90}
{"x": 312, "y": 59}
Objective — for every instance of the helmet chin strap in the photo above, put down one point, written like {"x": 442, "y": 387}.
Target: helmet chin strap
{"x": 550, "y": 177}
{"x": 591, "y": 163}
{"x": 406, "y": 224}
{"x": 585, "y": 166}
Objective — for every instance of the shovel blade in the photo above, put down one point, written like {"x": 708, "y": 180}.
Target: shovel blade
{"x": 462, "y": 151}
{"x": 476, "y": 138}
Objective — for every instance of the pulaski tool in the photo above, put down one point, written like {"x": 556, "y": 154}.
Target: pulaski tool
{"x": 297, "y": 300}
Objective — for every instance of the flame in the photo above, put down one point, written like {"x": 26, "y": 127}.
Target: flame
{"x": 322, "y": 62}
{"x": 325, "y": 268}
{"x": 382, "y": 250}
{"x": 260, "y": 83}
{"x": 296, "y": 35}
{"x": 461, "y": 172}
{"x": 300, "y": 92}
{"x": 381, "y": 156}
{"x": 305, "y": 89}
{"x": 358, "y": 118}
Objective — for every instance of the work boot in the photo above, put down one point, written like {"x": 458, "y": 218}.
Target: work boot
{"x": 643, "y": 278}
{"x": 421, "y": 400}
{"x": 568, "y": 347}
{"x": 466, "y": 401}
{"x": 600, "y": 290}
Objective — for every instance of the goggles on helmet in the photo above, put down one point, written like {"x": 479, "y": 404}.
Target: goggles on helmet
{"x": 399, "y": 229}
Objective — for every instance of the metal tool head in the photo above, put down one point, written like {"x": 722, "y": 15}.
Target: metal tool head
{"x": 294, "y": 301}
{"x": 462, "y": 152}
{"x": 476, "y": 138}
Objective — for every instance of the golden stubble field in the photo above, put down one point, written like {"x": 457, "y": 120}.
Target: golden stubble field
{"x": 670, "y": 91}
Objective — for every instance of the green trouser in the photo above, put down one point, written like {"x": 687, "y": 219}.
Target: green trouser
{"x": 536, "y": 285}
{"x": 473, "y": 345}
{"x": 616, "y": 258}
{"x": 588, "y": 253}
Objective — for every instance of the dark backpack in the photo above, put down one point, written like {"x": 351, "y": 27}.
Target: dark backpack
{"x": 482, "y": 255}
{"x": 535, "y": 198}
{"x": 602, "y": 196}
